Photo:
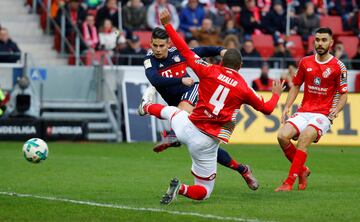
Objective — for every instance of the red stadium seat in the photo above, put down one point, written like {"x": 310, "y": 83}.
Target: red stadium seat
{"x": 310, "y": 44}
{"x": 350, "y": 44}
{"x": 295, "y": 45}
{"x": 145, "y": 38}
{"x": 95, "y": 57}
{"x": 357, "y": 83}
{"x": 57, "y": 41}
{"x": 264, "y": 44}
{"x": 334, "y": 23}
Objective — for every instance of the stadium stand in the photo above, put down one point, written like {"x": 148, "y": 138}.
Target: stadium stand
{"x": 349, "y": 43}
{"x": 335, "y": 23}
{"x": 357, "y": 83}
{"x": 31, "y": 38}
{"x": 264, "y": 44}
{"x": 295, "y": 46}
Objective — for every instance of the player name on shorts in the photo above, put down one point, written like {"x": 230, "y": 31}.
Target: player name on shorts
{"x": 227, "y": 80}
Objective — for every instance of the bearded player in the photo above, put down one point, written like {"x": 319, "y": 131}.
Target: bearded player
{"x": 325, "y": 95}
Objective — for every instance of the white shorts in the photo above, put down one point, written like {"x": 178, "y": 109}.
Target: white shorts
{"x": 300, "y": 120}
{"x": 202, "y": 148}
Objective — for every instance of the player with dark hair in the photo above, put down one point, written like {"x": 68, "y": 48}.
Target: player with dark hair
{"x": 222, "y": 90}
{"x": 166, "y": 70}
{"x": 325, "y": 94}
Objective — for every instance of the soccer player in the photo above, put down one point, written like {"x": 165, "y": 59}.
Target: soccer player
{"x": 166, "y": 70}
{"x": 325, "y": 94}
{"x": 222, "y": 91}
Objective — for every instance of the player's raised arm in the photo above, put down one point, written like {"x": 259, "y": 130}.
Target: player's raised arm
{"x": 194, "y": 61}
{"x": 258, "y": 103}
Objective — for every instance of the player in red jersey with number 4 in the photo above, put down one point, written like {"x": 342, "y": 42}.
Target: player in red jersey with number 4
{"x": 325, "y": 94}
{"x": 222, "y": 90}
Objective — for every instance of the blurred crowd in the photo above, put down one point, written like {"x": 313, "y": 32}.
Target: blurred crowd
{"x": 228, "y": 23}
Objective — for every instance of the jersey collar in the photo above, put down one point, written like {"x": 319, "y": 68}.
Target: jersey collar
{"x": 316, "y": 59}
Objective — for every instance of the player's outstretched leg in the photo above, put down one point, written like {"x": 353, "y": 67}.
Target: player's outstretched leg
{"x": 195, "y": 192}
{"x": 148, "y": 97}
{"x": 167, "y": 140}
{"x": 171, "y": 192}
{"x": 250, "y": 178}
{"x": 225, "y": 159}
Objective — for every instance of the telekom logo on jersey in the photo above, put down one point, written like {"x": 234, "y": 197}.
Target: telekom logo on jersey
{"x": 177, "y": 71}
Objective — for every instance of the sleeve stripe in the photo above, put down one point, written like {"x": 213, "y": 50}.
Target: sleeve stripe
{"x": 343, "y": 77}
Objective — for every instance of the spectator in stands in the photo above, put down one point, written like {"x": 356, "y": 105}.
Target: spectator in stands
{"x": 235, "y": 5}
{"x": 89, "y": 32}
{"x": 9, "y": 51}
{"x": 154, "y": 10}
{"x": 24, "y": 102}
{"x": 282, "y": 58}
{"x": 108, "y": 11}
{"x": 191, "y": 17}
{"x": 54, "y": 8}
{"x": 222, "y": 14}
{"x": 308, "y": 22}
{"x": 207, "y": 34}
{"x": 109, "y": 36}
{"x": 3, "y": 102}
{"x": 133, "y": 54}
{"x": 251, "y": 57}
{"x": 264, "y": 6}
{"x": 355, "y": 25}
{"x": 231, "y": 29}
{"x": 250, "y": 19}
{"x": 356, "y": 59}
{"x": 93, "y": 4}
{"x": 231, "y": 42}
{"x": 275, "y": 21}
{"x": 320, "y": 6}
{"x": 263, "y": 83}
{"x": 75, "y": 16}
{"x": 340, "y": 53}
{"x": 134, "y": 16}
{"x": 192, "y": 42}
{"x": 287, "y": 76}
{"x": 343, "y": 8}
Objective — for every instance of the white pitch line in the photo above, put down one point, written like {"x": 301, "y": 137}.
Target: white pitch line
{"x": 124, "y": 207}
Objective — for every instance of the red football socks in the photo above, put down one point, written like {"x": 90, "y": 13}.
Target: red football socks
{"x": 296, "y": 166}
{"x": 289, "y": 152}
{"x": 195, "y": 192}
{"x": 154, "y": 109}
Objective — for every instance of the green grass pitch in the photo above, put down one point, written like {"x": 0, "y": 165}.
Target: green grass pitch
{"x": 128, "y": 180}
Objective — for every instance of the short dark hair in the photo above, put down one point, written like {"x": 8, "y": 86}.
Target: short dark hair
{"x": 159, "y": 33}
{"x": 232, "y": 59}
{"x": 322, "y": 30}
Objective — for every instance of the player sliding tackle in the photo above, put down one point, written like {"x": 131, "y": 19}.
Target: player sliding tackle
{"x": 166, "y": 70}
{"x": 325, "y": 94}
{"x": 221, "y": 93}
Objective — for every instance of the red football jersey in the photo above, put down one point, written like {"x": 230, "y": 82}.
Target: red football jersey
{"x": 221, "y": 93}
{"x": 324, "y": 81}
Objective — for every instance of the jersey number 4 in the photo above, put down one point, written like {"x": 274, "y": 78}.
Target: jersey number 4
{"x": 218, "y": 98}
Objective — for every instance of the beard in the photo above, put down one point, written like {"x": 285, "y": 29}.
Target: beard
{"x": 321, "y": 51}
